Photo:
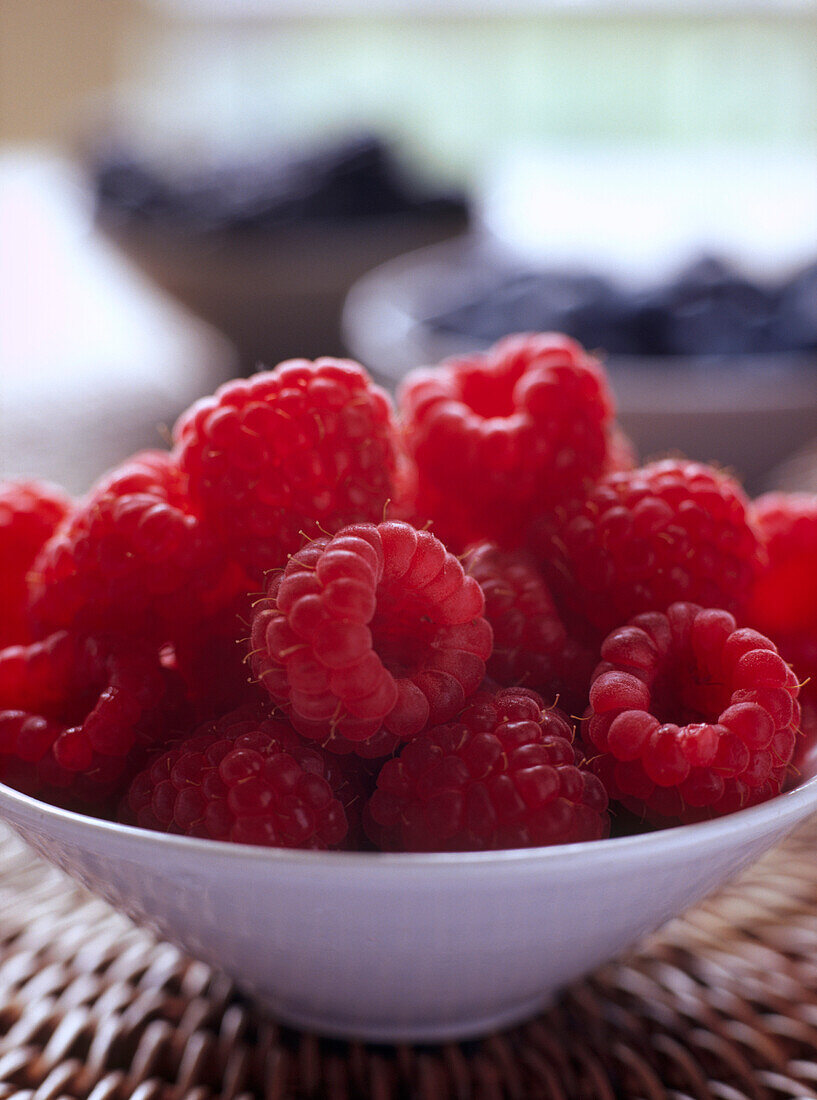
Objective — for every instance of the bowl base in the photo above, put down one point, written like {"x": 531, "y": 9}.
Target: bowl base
{"x": 429, "y": 1031}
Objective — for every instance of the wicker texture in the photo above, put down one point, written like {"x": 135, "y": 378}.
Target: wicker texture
{"x": 721, "y": 1005}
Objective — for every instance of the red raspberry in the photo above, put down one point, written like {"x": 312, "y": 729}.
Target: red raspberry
{"x": 504, "y": 775}
{"x": 804, "y": 762}
{"x": 499, "y": 436}
{"x": 643, "y": 539}
{"x": 75, "y": 713}
{"x": 403, "y": 505}
{"x": 693, "y": 717}
{"x": 29, "y": 513}
{"x": 621, "y": 452}
{"x": 133, "y": 558}
{"x": 805, "y": 754}
{"x": 373, "y": 748}
{"x": 531, "y": 644}
{"x": 353, "y": 781}
{"x": 375, "y": 627}
{"x": 247, "y": 778}
{"x": 308, "y": 447}
{"x": 784, "y": 599}
{"x": 211, "y": 657}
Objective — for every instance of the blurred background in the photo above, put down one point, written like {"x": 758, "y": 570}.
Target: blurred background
{"x": 191, "y": 188}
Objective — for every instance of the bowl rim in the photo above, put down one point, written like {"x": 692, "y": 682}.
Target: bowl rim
{"x": 790, "y": 804}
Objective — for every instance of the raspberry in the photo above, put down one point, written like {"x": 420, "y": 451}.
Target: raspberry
{"x": 377, "y": 627}
{"x": 353, "y": 782}
{"x": 621, "y": 452}
{"x": 646, "y": 538}
{"x": 504, "y": 775}
{"x": 247, "y": 778}
{"x": 804, "y": 762}
{"x": 784, "y": 598}
{"x": 805, "y": 757}
{"x": 308, "y": 447}
{"x": 403, "y": 505}
{"x": 531, "y": 644}
{"x": 210, "y": 656}
{"x": 499, "y": 436}
{"x": 29, "y": 513}
{"x": 375, "y": 747}
{"x": 692, "y": 716}
{"x": 132, "y": 559}
{"x": 75, "y": 713}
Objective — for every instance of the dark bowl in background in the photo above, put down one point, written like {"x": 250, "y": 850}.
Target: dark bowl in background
{"x": 746, "y": 412}
{"x": 266, "y": 248}
{"x": 280, "y": 295}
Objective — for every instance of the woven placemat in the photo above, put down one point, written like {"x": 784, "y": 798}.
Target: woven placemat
{"x": 721, "y": 1005}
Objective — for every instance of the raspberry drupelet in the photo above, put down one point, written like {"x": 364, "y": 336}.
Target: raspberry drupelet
{"x": 307, "y": 447}
{"x": 77, "y": 712}
{"x": 646, "y": 538}
{"x": 375, "y": 629}
{"x": 249, "y": 778}
{"x": 501, "y": 436}
{"x": 29, "y": 513}
{"x": 531, "y": 645}
{"x": 132, "y": 558}
{"x": 784, "y": 598}
{"x": 691, "y": 717}
{"x": 503, "y": 775}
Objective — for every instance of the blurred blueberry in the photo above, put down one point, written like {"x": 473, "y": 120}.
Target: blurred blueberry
{"x": 338, "y": 179}
{"x": 584, "y": 306}
{"x": 796, "y": 323}
{"x": 708, "y": 309}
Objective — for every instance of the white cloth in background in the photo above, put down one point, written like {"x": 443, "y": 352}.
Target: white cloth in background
{"x": 94, "y": 362}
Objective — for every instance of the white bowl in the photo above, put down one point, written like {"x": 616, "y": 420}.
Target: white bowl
{"x": 404, "y": 947}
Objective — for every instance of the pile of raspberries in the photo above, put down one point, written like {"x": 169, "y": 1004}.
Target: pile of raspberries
{"x": 473, "y": 622}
